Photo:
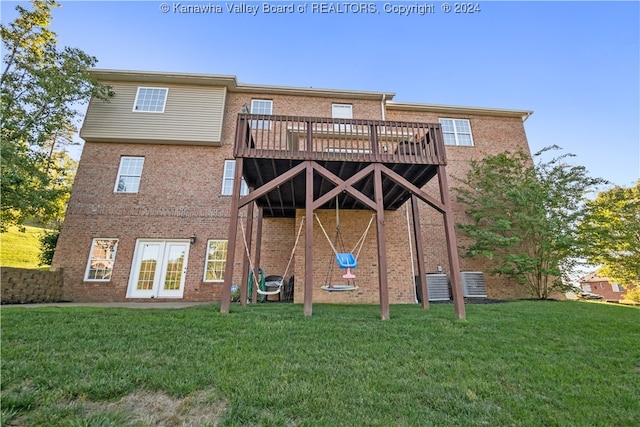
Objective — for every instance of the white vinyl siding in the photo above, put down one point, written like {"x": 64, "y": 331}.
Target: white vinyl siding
{"x": 129, "y": 175}
{"x": 101, "y": 259}
{"x": 216, "y": 261}
{"x": 228, "y": 177}
{"x": 456, "y": 132}
{"x": 192, "y": 115}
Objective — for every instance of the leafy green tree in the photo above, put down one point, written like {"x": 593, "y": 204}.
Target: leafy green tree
{"x": 524, "y": 216}
{"x": 41, "y": 87}
{"x": 611, "y": 233}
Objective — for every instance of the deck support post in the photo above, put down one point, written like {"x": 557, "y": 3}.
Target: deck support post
{"x": 234, "y": 212}
{"x": 417, "y": 237}
{"x": 254, "y": 294}
{"x": 381, "y": 237}
{"x": 452, "y": 246}
{"x": 246, "y": 263}
{"x": 308, "y": 250}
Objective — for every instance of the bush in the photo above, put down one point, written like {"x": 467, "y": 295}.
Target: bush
{"x": 633, "y": 294}
{"x": 48, "y": 242}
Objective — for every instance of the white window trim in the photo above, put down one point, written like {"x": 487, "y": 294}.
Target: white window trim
{"x": 617, "y": 288}
{"x": 261, "y": 124}
{"x": 336, "y": 108}
{"x": 456, "y": 132}
{"x": 339, "y": 111}
{"x": 244, "y": 188}
{"x": 88, "y": 268}
{"x": 206, "y": 261}
{"x": 115, "y": 188}
{"x": 135, "y": 102}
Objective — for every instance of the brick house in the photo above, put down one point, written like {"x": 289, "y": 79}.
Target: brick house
{"x": 153, "y": 200}
{"x": 595, "y": 284}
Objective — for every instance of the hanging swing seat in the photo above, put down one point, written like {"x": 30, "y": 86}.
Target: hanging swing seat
{"x": 346, "y": 260}
{"x": 339, "y": 288}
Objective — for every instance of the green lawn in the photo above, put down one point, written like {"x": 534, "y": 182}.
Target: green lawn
{"x": 523, "y": 363}
{"x": 20, "y": 249}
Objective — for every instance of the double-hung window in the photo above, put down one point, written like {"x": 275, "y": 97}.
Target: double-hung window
{"x": 228, "y": 177}
{"x": 216, "y": 261}
{"x": 617, "y": 287}
{"x": 261, "y": 106}
{"x": 129, "y": 174}
{"x": 456, "y": 132}
{"x": 101, "y": 259}
{"x": 150, "y": 100}
{"x": 341, "y": 111}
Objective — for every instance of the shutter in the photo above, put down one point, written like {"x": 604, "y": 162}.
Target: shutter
{"x": 473, "y": 284}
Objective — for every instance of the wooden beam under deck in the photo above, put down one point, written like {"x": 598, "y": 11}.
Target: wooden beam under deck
{"x": 350, "y": 164}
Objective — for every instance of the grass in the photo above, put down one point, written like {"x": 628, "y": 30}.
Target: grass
{"x": 523, "y": 363}
{"x": 21, "y": 249}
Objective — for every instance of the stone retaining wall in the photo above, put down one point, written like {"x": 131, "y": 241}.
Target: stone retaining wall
{"x": 22, "y": 285}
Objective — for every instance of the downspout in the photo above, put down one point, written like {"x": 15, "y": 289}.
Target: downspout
{"x": 382, "y": 105}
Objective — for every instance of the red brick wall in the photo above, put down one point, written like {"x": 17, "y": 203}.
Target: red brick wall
{"x": 180, "y": 195}
{"x": 491, "y": 135}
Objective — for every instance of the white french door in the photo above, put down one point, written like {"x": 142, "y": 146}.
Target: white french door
{"x": 159, "y": 268}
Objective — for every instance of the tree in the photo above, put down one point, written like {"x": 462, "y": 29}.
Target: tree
{"x": 41, "y": 88}
{"x": 524, "y": 216}
{"x": 611, "y": 233}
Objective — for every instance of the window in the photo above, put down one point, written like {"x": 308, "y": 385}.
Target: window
{"x": 456, "y": 132}
{"x": 101, "y": 259}
{"x": 216, "y": 261}
{"x": 341, "y": 111}
{"x": 617, "y": 287}
{"x": 227, "y": 180}
{"x": 261, "y": 106}
{"x": 129, "y": 173}
{"x": 586, "y": 287}
{"x": 150, "y": 100}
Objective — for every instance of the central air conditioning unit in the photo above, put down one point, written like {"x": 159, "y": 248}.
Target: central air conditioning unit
{"x": 438, "y": 287}
{"x": 473, "y": 285}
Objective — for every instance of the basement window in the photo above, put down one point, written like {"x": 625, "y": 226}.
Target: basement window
{"x": 101, "y": 259}
{"x": 216, "y": 261}
{"x": 150, "y": 100}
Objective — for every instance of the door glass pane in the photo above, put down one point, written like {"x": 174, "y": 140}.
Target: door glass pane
{"x": 148, "y": 267}
{"x": 175, "y": 261}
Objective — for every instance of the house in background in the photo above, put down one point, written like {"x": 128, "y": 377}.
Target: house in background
{"x": 151, "y": 207}
{"x": 592, "y": 283}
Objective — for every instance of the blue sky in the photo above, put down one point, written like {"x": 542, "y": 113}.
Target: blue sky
{"x": 575, "y": 64}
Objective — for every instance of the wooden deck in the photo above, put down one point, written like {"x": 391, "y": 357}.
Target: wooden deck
{"x": 311, "y": 163}
{"x": 271, "y": 146}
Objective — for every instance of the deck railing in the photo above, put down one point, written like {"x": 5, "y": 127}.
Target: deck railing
{"x": 315, "y": 138}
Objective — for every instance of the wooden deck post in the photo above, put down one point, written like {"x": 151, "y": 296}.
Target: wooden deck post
{"x": 381, "y": 237}
{"x": 246, "y": 261}
{"x": 417, "y": 234}
{"x": 254, "y": 294}
{"x": 308, "y": 250}
{"x": 452, "y": 245}
{"x": 234, "y": 212}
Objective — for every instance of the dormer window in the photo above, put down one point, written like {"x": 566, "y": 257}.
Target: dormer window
{"x": 150, "y": 100}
